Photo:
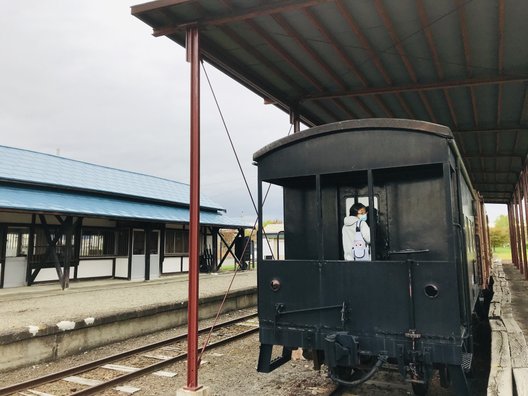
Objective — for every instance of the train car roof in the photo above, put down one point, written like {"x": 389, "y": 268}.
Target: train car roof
{"x": 357, "y": 125}
{"x": 458, "y": 63}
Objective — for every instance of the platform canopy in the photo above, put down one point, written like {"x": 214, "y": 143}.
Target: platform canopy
{"x": 460, "y": 63}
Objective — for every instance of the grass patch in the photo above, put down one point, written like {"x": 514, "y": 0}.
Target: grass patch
{"x": 504, "y": 253}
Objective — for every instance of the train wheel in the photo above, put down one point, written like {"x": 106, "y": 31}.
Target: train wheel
{"x": 420, "y": 389}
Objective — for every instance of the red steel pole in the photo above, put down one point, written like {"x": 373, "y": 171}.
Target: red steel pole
{"x": 513, "y": 234}
{"x": 193, "y": 56}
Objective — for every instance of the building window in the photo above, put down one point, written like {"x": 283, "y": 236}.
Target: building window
{"x": 17, "y": 242}
{"x": 95, "y": 243}
{"x": 154, "y": 242}
{"x": 176, "y": 241}
{"x": 122, "y": 242}
{"x": 139, "y": 242}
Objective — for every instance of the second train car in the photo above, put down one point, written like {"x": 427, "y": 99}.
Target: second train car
{"x": 412, "y": 303}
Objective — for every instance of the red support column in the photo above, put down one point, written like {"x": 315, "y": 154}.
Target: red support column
{"x": 193, "y": 56}
{"x": 523, "y": 235}
{"x": 518, "y": 231}
{"x": 524, "y": 187}
{"x": 513, "y": 234}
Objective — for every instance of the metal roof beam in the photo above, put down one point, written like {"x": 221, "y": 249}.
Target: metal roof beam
{"x": 238, "y": 15}
{"x": 344, "y": 57}
{"x": 424, "y": 20}
{"x": 418, "y": 87}
{"x": 373, "y": 55}
{"x": 465, "y": 40}
{"x": 283, "y": 23}
{"x": 397, "y": 43}
{"x": 500, "y": 57}
{"x": 493, "y": 130}
{"x": 477, "y": 155}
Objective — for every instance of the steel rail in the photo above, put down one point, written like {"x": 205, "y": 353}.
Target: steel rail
{"x": 156, "y": 366}
{"x": 97, "y": 363}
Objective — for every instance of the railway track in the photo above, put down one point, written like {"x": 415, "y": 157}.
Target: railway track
{"x": 160, "y": 354}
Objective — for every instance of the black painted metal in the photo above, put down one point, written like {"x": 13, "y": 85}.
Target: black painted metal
{"x": 130, "y": 251}
{"x": 413, "y": 175}
{"x": 148, "y": 232}
{"x": 31, "y": 248}
{"x": 3, "y": 247}
{"x": 77, "y": 248}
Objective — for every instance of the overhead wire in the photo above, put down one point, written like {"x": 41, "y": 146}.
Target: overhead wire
{"x": 237, "y": 261}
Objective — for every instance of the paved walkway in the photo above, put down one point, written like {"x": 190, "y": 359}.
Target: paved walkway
{"x": 46, "y": 305}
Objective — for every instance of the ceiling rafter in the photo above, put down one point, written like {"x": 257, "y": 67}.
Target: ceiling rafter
{"x": 467, "y": 55}
{"x": 492, "y": 130}
{"x": 345, "y": 13}
{"x": 524, "y": 107}
{"x": 516, "y": 144}
{"x": 500, "y": 58}
{"x": 389, "y": 26}
{"x": 498, "y": 155}
{"x": 292, "y": 62}
{"x": 331, "y": 40}
{"x": 238, "y": 15}
{"x": 261, "y": 58}
{"x": 419, "y": 87}
{"x": 424, "y": 20}
{"x": 235, "y": 37}
{"x": 283, "y": 23}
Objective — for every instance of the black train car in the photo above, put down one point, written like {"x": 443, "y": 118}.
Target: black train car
{"x": 413, "y": 303}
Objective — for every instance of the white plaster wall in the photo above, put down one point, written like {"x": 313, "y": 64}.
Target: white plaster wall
{"x": 172, "y": 264}
{"x": 48, "y": 274}
{"x": 121, "y": 267}
{"x": 15, "y": 272}
{"x": 185, "y": 266}
{"x": 155, "y": 262}
{"x": 94, "y": 268}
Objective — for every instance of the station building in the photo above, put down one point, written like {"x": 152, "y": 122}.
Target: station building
{"x": 62, "y": 219}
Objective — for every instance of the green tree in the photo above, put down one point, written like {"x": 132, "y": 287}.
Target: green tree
{"x": 502, "y": 222}
{"x": 499, "y": 236}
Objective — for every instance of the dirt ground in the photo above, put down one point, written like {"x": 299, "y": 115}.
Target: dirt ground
{"x": 230, "y": 370}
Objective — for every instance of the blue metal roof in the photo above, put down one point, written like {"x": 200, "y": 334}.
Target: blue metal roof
{"x": 43, "y": 169}
{"x": 22, "y": 198}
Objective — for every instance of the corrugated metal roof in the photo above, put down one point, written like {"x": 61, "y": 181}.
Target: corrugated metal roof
{"x": 40, "y": 200}
{"x": 31, "y": 167}
{"x": 463, "y": 64}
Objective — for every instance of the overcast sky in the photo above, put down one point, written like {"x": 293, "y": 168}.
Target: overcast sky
{"x": 88, "y": 80}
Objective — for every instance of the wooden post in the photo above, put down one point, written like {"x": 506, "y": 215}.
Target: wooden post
{"x": 513, "y": 234}
{"x": 522, "y": 245}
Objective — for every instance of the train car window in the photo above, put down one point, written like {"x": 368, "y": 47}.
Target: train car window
{"x": 362, "y": 200}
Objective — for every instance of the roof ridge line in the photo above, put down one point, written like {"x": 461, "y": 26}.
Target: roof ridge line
{"x": 92, "y": 164}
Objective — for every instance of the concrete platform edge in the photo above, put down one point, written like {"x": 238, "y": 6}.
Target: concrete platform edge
{"x": 22, "y": 348}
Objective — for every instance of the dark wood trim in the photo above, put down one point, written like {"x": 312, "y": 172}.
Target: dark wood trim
{"x": 148, "y": 233}
{"x": 31, "y": 248}
{"x": 68, "y": 254}
{"x": 161, "y": 251}
{"x": 130, "y": 250}
{"x": 77, "y": 245}
{"x": 3, "y": 249}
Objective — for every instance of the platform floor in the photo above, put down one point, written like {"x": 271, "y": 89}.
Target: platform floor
{"x": 23, "y": 308}
{"x": 519, "y": 295}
